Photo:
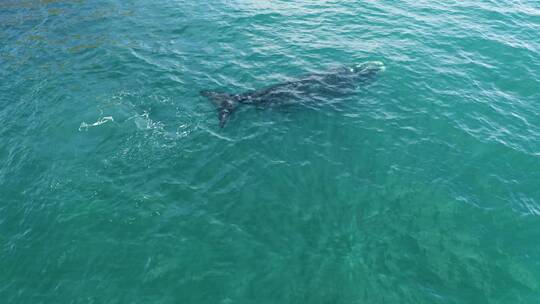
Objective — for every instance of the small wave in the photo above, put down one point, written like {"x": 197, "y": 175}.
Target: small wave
{"x": 99, "y": 122}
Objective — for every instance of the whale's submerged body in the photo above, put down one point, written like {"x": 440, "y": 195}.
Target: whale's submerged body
{"x": 341, "y": 81}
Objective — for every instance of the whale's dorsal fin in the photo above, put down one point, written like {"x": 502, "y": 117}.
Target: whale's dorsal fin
{"x": 225, "y": 104}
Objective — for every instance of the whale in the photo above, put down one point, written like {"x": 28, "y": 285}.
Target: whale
{"x": 316, "y": 87}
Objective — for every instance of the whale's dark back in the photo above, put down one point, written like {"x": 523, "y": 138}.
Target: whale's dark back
{"x": 338, "y": 82}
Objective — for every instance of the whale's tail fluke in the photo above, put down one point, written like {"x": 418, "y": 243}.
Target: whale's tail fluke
{"x": 225, "y": 104}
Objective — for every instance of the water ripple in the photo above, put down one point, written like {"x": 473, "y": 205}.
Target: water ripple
{"x": 418, "y": 188}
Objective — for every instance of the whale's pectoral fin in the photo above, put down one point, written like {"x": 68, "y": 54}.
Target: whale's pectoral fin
{"x": 225, "y": 103}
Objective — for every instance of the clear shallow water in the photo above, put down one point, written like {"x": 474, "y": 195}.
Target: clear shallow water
{"x": 117, "y": 186}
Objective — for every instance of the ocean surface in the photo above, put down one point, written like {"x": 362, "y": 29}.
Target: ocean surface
{"x": 118, "y": 186}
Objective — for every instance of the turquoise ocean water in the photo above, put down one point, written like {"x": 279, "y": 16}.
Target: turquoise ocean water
{"x": 117, "y": 185}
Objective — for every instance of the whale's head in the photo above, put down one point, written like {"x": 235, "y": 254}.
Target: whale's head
{"x": 369, "y": 68}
